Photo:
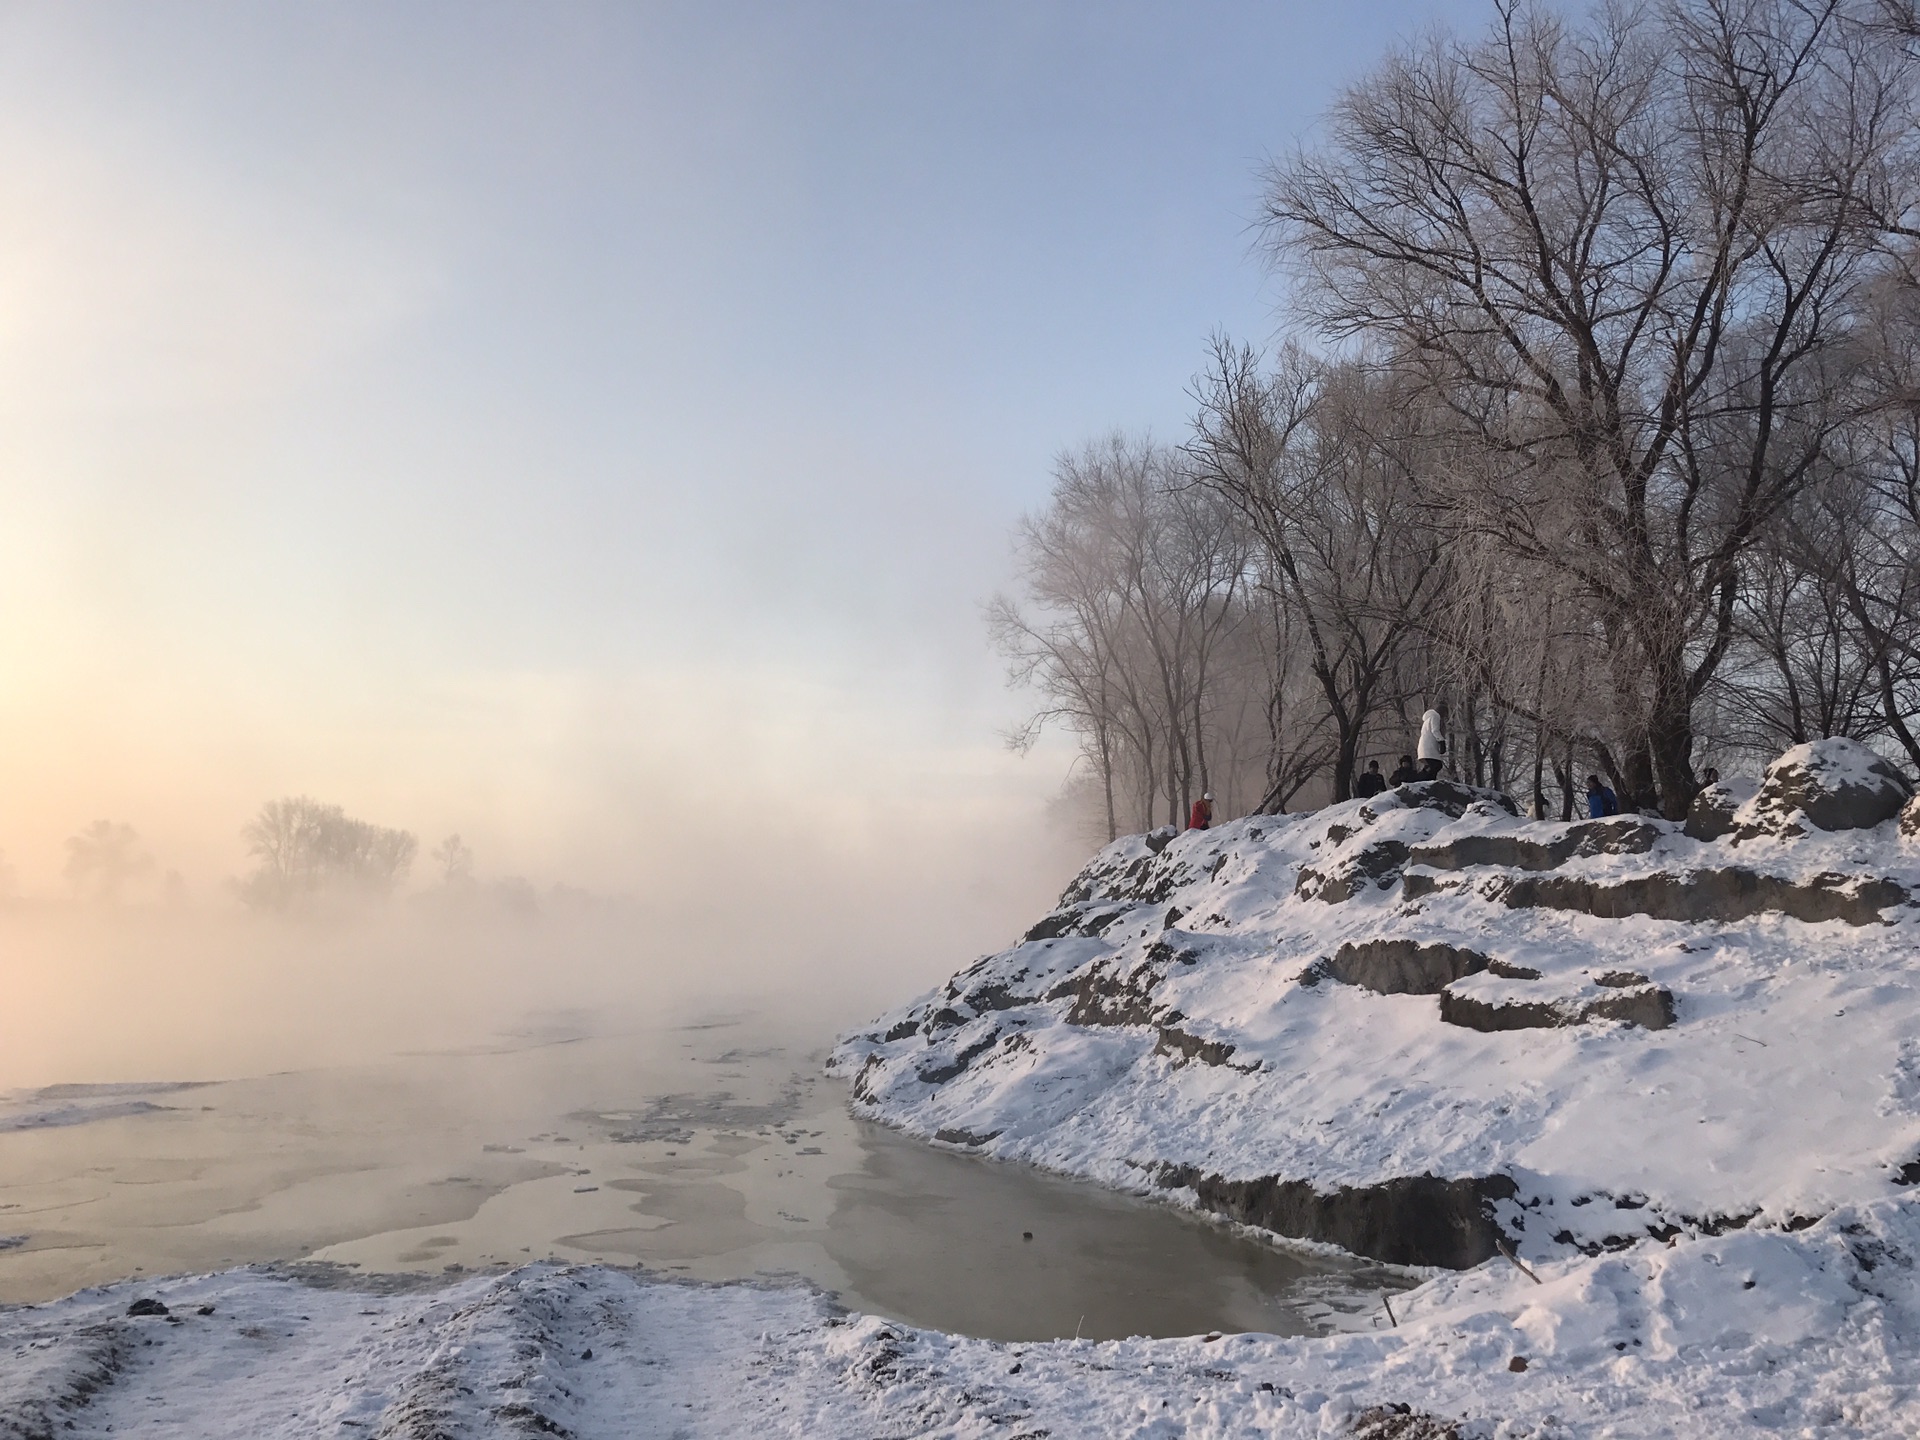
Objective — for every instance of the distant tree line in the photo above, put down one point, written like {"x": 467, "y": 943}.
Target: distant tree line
{"x": 1599, "y": 432}
{"x": 303, "y": 849}
{"x": 303, "y": 852}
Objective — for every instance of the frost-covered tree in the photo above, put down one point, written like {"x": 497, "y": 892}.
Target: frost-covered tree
{"x": 1627, "y": 254}
{"x": 1131, "y": 630}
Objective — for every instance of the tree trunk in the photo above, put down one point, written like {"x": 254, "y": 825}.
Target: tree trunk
{"x": 1106, "y": 782}
{"x": 1668, "y": 753}
{"x": 1345, "y": 760}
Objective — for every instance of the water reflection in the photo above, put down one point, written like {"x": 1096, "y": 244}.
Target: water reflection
{"x": 1012, "y": 1253}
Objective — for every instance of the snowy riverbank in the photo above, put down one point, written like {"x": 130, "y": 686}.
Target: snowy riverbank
{"x": 1416, "y": 1025}
{"x": 1755, "y": 1332}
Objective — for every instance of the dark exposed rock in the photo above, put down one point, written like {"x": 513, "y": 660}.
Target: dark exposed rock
{"x": 901, "y": 1029}
{"x": 1620, "y": 979}
{"x": 940, "y": 1074}
{"x": 1831, "y": 784}
{"x": 1472, "y": 1013}
{"x": 1141, "y": 879}
{"x": 1507, "y": 970}
{"x": 1725, "y": 895}
{"x": 1648, "y": 1006}
{"x": 956, "y": 1136}
{"x": 1056, "y": 924}
{"x": 1402, "y": 967}
{"x": 1659, "y": 1226}
{"x": 1910, "y": 819}
{"x": 1621, "y": 835}
{"x": 1711, "y": 814}
{"x": 1401, "y": 1422}
{"x": 1378, "y": 864}
{"x": 1164, "y": 952}
{"x": 1188, "y": 1046}
{"x": 1085, "y": 918}
{"x": 1409, "y": 1220}
{"x": 146, "y": 1305}
{"x": 861, "y": 1089}
{"x": 1446, "y": 796}
{"x": 1100, "y": 997}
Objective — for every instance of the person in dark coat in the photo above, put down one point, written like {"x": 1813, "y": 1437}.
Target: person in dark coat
{"x": 1601, "y": 801}
{"x": 1201, "y": 816}
{"x": 1405, "y": 773}
{"x": 1371, "y": 783}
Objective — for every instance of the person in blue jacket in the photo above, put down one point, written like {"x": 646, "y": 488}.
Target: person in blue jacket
{"x": 1601, "y": 801}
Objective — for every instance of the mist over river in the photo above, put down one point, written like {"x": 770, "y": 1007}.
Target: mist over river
{"x": 711, "y": 1147}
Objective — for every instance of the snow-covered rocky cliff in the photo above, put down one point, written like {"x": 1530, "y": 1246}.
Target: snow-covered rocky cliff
{"x": 1421, "y": 1028}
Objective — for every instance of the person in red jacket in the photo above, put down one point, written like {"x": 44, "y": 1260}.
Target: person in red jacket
{"x": 1201, "y": 817}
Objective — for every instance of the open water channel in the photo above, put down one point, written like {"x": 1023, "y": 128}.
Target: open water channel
{"x": 717, "y": 1151}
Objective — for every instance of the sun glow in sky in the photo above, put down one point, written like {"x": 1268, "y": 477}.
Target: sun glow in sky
{"x": 592, "y": 429}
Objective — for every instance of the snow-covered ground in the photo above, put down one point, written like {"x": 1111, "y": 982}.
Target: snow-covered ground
{"x": 1321, "y": 1001}
{"x": 1756, "y": 1332}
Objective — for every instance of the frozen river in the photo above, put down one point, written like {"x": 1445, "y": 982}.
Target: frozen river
{"x": 715, "y": 1150}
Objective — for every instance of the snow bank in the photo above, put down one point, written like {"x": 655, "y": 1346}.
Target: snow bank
{"x": 1420, "y": 1027}
{"x": 1743, "y": 1334}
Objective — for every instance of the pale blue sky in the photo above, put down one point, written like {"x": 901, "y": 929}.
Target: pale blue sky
{"x": 543, "y": 420}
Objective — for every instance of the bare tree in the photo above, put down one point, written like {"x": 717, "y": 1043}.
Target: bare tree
{"x": 455, "y": 859}
{"x": 303, "y": 849}
{"x": 1623, "y": 255}
{"x": 103, "y": 858}
{"x": 1134, "y": 594}
{"x": 1312, "y": 458}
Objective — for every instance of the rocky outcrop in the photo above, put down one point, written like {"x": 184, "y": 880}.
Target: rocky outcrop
{"x": 1402, "y": 967}
{"x": 1622, "y": 835}
{"x": 1085, "y": 918}
{"x": 1201, "y": 1007}
{"x": 1184, "y": 1045}
{"x": 1410, "y": 1220}
{"x": 1711, "y": 814}
{"x": 958, "y": 1062}
{"x": 1103, "y": 997}
{"x": 1445, "y": 796}
{"x": 1375, "y": 866}
{"x": 1724, "y": 895}
{"x": 1829, "y": 784}
{"x": 1648, "y": 1006}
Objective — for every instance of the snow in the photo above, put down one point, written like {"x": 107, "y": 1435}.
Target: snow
{"x": 1785, "y": 1089}
{"x": 1754, "y": 1332}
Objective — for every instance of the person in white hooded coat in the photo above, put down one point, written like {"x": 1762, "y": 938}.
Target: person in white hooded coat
{"x": 1432, "y": 748}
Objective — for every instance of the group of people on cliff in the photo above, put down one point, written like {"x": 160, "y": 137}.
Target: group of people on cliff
{"x": 1430, "y": 753}
{"x": 1424, "y": 764}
